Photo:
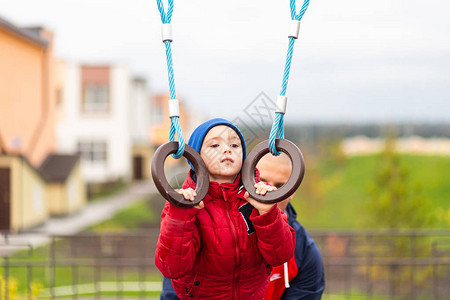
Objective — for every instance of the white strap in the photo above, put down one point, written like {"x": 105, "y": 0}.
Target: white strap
{"x": 166, "y": 31}
{"x": 174, "y": 108}
{"x": 281, "y": 104}
{"x": 294, "y": 29}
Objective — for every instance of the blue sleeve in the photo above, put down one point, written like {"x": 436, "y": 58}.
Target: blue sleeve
{"x": 168, "y": 293}
{"x": 309, "y": 282}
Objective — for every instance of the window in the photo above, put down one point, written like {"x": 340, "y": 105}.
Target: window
{"x": 93, "y": 151}
{"x": 96, "y": 98}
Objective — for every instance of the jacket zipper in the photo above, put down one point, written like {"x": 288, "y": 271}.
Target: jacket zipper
{"x": 235, "y": 286}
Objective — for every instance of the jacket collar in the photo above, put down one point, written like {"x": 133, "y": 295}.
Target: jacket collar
{"x": 217, "y": 190}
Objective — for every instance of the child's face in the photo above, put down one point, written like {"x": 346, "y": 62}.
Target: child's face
{"x": 222, "y": 153}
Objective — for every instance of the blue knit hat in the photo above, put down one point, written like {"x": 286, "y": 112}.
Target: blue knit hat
{"x": 197, "y": 137}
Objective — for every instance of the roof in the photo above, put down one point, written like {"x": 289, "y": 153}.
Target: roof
{"x": 27, "y": 34}
{"x": 23, "y": 158}
{"x": 57, "y": 167}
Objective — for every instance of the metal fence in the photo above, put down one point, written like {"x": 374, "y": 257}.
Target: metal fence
{"x": 358, "y": 265}
{"x": 408, "y": 264}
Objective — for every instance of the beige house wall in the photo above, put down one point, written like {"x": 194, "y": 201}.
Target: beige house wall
{"x": 56, "y": 200}
{"x": 76, "y": 192}
{"x": 68, "y": 197}
{"x": 28, "y": 194}
{"x": 33, "y": 200}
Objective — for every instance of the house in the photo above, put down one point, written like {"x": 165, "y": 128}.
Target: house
{"x": 104, "y": 114}
{"x": 26, "y": 91}
{"x": 140, "y": 122}
{"x": 27, "y": 127}
{"x": 66, "y": 191}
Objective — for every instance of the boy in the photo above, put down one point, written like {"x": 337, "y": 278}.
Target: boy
{"x": 224, "y": 247}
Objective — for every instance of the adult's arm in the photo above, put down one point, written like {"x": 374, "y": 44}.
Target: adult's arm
{"x": 168, "y": 292}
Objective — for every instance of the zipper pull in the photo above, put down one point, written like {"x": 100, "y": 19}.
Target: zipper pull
{"x": 224, "y": 193}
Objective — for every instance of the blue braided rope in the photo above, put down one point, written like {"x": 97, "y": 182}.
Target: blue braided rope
{"x": 298, "y": 16}
{"x": 277, "y": 130}
{"x": 173, "y": 95}
{"x": 175, "y": 127}
{"x": 165, "y": 18}
{"x": 278, "y": 123}
{"x": 287, "y": 67}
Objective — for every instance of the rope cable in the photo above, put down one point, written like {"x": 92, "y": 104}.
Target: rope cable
{"x": 175, "y": 127}
{"x": 278, "y": 123}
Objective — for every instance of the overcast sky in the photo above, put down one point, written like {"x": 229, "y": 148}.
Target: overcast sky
{"x": 355, "y": 60}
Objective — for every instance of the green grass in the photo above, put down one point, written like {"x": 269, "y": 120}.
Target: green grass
{"x": 334, "y": 194}
{"x": 131, "y": 218}
{"x": 100, "y": 191}
{"x": 353, "y": 295}
{"x": 359, "y": 295}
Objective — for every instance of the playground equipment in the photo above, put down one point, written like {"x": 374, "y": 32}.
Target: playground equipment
{"x": 275, "y": 142}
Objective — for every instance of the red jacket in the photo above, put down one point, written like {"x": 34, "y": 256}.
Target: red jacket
{"x": 225, "y": 250}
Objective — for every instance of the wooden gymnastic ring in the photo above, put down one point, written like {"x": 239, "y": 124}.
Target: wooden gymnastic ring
{"x": 298, "y": 171}
{"x": 163, "y": 186}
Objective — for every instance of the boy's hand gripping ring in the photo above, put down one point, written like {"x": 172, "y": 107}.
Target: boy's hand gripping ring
{"x": 298, "y": 171}
{"x": 163, "y": 186}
